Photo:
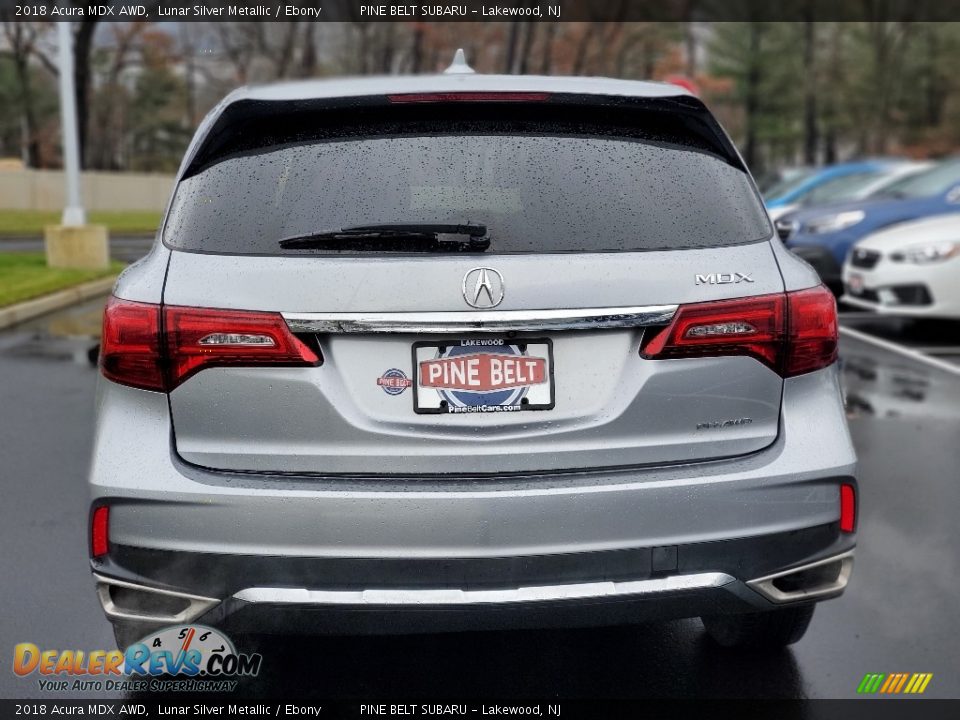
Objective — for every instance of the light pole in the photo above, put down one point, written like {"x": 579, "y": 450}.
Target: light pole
{"x": 73, "y": 243}
{"x": 73, "y": 214}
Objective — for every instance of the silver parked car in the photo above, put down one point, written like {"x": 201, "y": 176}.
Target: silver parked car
{"x": 466, "y": 351}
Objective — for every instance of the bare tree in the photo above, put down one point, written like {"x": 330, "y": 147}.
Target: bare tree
{"x": 188, "y": 51}
{"x": 283, "y": 55}
{"x": 752, "y": 93}
{"x": 103, "y": 154}
{"x": 586, "y": 38}
{"x": 83, "y": 34}
{"x": 546, "y": 58}
{"x": 416, "y": 49}
{"x": 510, "y": 58}
{"x": 529, "y": 32}
{"x": 241, "y": 42}
{"x": 810, "y": 125}
{"x": 22, "y": 40}
{"x": 887, "y": 41}
{"x": 829, "y": 105}
{"x": 308, "y": 58}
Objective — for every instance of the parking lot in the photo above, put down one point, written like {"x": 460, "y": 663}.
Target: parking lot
{"x": 939, "y": 342}
{"x": 898, "y": 614}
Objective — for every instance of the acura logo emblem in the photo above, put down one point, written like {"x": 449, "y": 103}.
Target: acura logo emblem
{"x": 483, "y": 287}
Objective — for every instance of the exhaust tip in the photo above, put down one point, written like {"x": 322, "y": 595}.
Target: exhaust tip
{"x": 814, "y": 580}
{"x": 123, "y": 600}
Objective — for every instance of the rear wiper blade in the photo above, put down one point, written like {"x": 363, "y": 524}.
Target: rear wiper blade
{"x": 435, "y": 228}
{"x": 419, "y": 236}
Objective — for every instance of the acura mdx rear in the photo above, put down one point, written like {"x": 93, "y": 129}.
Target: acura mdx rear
{"x": 466, "y": 351}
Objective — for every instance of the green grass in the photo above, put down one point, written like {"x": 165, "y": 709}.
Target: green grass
{"x": 30, "y": 223}
{"x": 25, "y": 275}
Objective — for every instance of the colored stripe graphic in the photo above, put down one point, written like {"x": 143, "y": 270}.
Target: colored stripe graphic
{"x": 918, "y": 683}
{"x": 894, "y": 683}
{"x": 870, "y": 683}
{"x": 903, "y": 680}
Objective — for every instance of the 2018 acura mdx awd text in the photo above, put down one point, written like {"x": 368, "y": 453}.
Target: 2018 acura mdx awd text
{"x": 464, "y": 351}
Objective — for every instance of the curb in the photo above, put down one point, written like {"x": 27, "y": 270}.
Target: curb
{"x": 29, "y": 309}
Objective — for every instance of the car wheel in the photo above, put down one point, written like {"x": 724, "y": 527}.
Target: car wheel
{"x": 760, "y": 630}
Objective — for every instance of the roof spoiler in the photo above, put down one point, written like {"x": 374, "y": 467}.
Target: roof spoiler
{"x": 249, "y": 126}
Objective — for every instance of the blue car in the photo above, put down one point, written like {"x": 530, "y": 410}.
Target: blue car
{"x": 824, "y": 235}
{"x": 793, "y": 193}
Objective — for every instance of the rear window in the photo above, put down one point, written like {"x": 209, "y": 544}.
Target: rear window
{"x": 537, "y": 189}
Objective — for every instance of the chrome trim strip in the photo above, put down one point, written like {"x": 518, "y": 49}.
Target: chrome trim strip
{"x": 764, "y": 585}
{"x": 455, "y": 596}
{"x": 483, "y": 321}
{"x": 197, "y": 605}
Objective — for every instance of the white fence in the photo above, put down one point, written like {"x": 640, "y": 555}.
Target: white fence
{"x": 43, "y": 190}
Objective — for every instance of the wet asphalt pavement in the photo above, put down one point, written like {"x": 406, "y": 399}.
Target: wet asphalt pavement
{"x": 898, "y": 615}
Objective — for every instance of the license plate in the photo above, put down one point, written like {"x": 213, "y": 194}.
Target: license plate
{"x": 855, "y": 283}
{"x": 482, "y": 375}
{"x": 887, "y": 296}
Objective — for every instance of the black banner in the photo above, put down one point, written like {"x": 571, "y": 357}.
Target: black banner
{"x": 481, "y": 10}
{"x": 191, "y": 706}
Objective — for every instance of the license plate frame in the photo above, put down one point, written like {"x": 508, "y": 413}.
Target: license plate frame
{"x": 473, "y": 402}
{"x": 856, "y": 283}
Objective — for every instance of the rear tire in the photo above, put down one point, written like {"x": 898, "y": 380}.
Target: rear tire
{"x": 767, "y": 630}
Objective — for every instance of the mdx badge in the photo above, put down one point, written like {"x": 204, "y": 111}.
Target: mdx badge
{"x": 723, "y": 278}
{"x": 482, "y": 287}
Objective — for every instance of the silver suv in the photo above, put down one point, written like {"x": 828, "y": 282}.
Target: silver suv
{"x": 467, "y": 351}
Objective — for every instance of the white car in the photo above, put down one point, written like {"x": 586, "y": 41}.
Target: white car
{"x": 909, "y": 269}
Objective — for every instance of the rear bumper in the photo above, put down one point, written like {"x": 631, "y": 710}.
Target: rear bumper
{"x": 277, "y": 608}
{"x": 267, "y": 550}
{"x": 873, "y": 304}
{"x": 905, "y": 289}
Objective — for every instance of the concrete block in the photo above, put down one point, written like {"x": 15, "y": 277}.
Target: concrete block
{"x": 84, "y": 246}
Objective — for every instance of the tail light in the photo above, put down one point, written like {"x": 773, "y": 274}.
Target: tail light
{"x": 157, "y": 348}
{"x": 202, "y": 337}
{"x": 469, "y": 97}
{"x": 792, "y": 333}
{"x": 130, "y": 344}
{"x": 812, "y": 343}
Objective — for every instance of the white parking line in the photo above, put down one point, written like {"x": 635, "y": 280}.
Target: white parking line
{"x": 938, "y": 349}
{"x": 901, "y": 350}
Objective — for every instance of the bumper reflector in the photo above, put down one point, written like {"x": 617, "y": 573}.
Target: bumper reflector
{"x": 99, "y": 532}
{"x": 848, "y": 508}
